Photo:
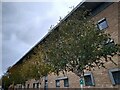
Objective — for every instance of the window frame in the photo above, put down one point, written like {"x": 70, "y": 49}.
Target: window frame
{"x": 101, "y": 21}
{"x": 109, "y": 41}
{"x": 34, "y": 85}
{"x": 67, "y": 82}
{"x": 28, "y": 85}
{"x": 62, "y": 78}
{"x": 46, "y": 81}
{"x": 57, "y": 84}
{"x": 111, "y": 75}
{"x": 37, "y": 85}
{"x": 92, "y": 78}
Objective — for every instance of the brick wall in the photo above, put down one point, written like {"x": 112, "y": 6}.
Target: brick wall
{"x": 111, "y": 15}
{"x": 101, "y": 75}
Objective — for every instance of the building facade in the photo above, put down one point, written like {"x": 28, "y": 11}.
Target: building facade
{"x": 106, "y": 17}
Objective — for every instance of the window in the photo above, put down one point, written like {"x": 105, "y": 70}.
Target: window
{"x": 102, "y": 24}
{"x": 109, "y": 41}
{"x": 66, "y": 84}
{"x": 28, "y": 85}
{"x": 20, "y": 86}
{"x": 65, "y": 79}
{"x": 115, "y": 76}
{"x": 46, "y": 82}
{"x": 88, "y": 79}
{"x": 37, "y": 85}
{"x": 57, "y": 83}
{"x": 33, "y": 85}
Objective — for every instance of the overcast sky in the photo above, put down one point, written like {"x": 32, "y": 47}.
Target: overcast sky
{"x": 25, "y": 23}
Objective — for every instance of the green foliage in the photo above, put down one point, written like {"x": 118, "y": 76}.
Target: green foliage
{"x": 32, "y": 67}
{"x": 5, "y": 82}
{"x": 13, "y": 77}
{"x": 77, "y": 43}
{"x": 74, "y": 46}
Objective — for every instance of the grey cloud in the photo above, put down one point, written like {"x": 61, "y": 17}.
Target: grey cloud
{"x": 22, "y": 28}
{"x": 25, "y": 23}
{"x": 12, "y": 50}
{"x": 22, "y": 16}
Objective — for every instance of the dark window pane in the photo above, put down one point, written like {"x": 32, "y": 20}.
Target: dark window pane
{"x": 37, "y": 85}
{"x": 28, "y": 86}
{"x": 57, "y": 83}
{"x": 33, "y": 85}
{"x": 102, "y": 24}
{"x": 46, "y": 82}
{"x": 88, "y": 80}
{"x": 66, "y": 83}
{"x": 116, "y": 77}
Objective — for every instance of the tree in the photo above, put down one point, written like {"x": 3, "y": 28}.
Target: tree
{"x": 12, "y": 77}
{"x": 5, "y": 82}
{"x": 77, "y": 45}
{"x": 33, "y": 66}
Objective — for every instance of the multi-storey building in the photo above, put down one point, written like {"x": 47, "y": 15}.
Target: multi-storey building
{"x": 106, "y": 16}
